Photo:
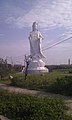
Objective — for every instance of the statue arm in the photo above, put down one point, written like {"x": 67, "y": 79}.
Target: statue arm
{"x": 40, "y": 36}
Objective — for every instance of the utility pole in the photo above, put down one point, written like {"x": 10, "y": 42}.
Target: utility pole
{"x": 69, "y": 61}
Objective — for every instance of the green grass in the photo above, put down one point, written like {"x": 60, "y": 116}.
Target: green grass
{"x": 55, "y": 82}
{"x": 26, "y": 107}
{"x": 62, "y": 86}
{"x": 58, "y": 81}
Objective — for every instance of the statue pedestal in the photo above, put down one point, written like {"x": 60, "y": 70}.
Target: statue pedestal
{"x": 37, "y": 66}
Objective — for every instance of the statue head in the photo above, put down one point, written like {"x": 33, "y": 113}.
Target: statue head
{"x": 34, "y": 26}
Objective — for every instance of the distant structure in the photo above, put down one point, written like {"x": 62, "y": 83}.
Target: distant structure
{"x": 36, "y": 64}
{"x": 69, "y": 61}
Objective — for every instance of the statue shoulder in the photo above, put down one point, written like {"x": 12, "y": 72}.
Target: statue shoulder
{"x": 40, "y": 35}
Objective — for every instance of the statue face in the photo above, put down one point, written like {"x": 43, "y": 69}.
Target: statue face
{"x": 35, "y": 26}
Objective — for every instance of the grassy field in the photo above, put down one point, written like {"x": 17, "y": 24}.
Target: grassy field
{"x": 58, "y": 81}
{"x": 26, "y": 107}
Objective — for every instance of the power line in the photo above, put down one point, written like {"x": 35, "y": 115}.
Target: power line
{"x": 64, "y": 35}
{"x": 56, "y": 43}
{"x": 49, "y": 46}
{"x": 45, "y": 48}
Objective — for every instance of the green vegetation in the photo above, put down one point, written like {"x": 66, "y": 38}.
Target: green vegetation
{"x": 26, "y": 107}
{"x": 7, "y": 69}
{"x": 57, "y": 82}
{"x": 62, "y": 86}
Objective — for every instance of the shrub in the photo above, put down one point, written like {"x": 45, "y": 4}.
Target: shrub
{"x": 26, "y": 107}
{"x": 62, "y": 86}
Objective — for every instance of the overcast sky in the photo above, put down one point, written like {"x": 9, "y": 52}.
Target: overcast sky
{"x": 54, "y": 19}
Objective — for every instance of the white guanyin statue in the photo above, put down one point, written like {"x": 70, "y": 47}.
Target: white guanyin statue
{"x": 35, "y": 39}
{"x": 36, "y": 64}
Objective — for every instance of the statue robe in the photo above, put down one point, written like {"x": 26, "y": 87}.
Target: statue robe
{"x": 35, "y": 44}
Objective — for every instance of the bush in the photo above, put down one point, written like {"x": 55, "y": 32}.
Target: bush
{"x": 34, "y": 81}
{"x": 26, "y": 107}
{"x": 62, "y": 86}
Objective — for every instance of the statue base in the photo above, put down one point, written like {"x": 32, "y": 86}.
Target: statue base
{"x": 36, "y": 66}
{"x": 38, "y": 70}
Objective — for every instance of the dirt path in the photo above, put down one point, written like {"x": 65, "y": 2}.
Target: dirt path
{"x": 68, "y": 100}
{"x": 3, "y": 118}
{"x": 30, "y": 92}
